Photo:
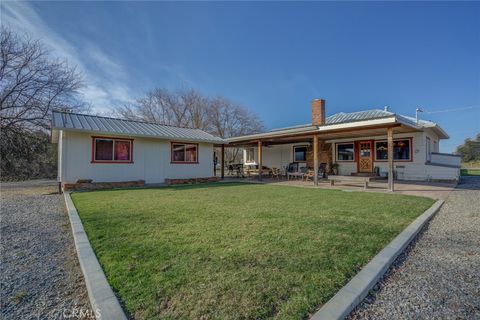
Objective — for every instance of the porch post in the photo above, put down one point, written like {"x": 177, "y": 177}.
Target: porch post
{"x": 315, "y": 159}
{"x": 222, "y": 168}
{"x": 390, "y": 158}
{"x": 260, "y": 166}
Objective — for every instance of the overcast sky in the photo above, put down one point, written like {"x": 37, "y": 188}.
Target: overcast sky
{"x": 274, "y": 57}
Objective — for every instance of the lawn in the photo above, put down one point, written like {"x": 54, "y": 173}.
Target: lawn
{"x": 237, "y": 251}
{"x": 470, "y": 172}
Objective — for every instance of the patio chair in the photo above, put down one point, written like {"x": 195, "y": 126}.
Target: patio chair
{"x": 322, "y": 170}
{"x": 230, "y": 170}
{"x": 276, "y": 173}
{"x": 240, "y": 172}
{"x": 266, "y": 171}
{"x": 292, "y": 167}
{"x": 309, "y": 175}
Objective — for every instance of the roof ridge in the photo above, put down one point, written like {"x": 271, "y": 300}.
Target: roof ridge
{"x": 361, "y": 111}
{"x": 375, "y": 109}
{"x": 128, "y": 120}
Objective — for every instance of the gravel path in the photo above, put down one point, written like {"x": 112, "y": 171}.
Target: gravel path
{"x": 438, "y": 277}
{"x": 39, "y": 270}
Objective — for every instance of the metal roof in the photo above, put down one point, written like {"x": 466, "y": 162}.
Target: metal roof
{"x": 347, "y": 118}
{"x": 105, "y": 125}
{"x": 358, "y": 116}
{"x": 373, "y": 114}
{"x": 343, "y": 117}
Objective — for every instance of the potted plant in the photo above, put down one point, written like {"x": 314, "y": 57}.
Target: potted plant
{"x": 334, "y": 168}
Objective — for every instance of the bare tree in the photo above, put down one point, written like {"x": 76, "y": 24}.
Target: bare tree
{"x": 230, "y": 120}
{"x": 189, "y": 108}
{"x": 158, "y": 106}
{"x": 32, "y": 83}
{"x": 197, "y": 109}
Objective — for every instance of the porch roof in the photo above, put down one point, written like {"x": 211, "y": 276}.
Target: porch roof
{"x": 342, "y": 125}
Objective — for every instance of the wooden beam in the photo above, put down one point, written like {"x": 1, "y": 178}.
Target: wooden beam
{"x": 390, "y": 158}
{"x": 222, "y": 169}
{"x": 315, "y": 159}
{"x": 260, "y": 163}
{"x": 290, "y": 138}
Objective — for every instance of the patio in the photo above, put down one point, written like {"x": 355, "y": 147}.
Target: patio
{"x": 434, "y": 190}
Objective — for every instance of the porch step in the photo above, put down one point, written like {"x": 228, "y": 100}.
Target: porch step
{"x": 364, "y": 174}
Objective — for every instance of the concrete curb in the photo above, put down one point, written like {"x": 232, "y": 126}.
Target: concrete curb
{"x": 353, "y": 293}
{"x": 104, "y": 303}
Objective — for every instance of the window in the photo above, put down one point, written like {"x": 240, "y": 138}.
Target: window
{"x": 300, "y": 154}
{"x": 184, "y": 153}
{"x": 345, "y": 152}
{"x": 250, "y": 155}
{"x": 110, "y": 150}
{"x": 428, "y": 150}
{"x": 401, "y": 150}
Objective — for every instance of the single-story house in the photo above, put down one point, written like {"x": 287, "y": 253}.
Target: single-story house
{"x": 110, "y": 150}
{"x": 359, "y": 142}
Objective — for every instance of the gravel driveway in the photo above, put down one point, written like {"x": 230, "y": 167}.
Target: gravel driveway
{"x": 439, "y": 276}
{"x": 39, "y": 270}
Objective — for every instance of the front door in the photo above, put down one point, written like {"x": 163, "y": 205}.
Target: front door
{"x": 365, "y": 161}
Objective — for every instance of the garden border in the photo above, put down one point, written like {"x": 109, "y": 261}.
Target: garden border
{"x": 353, "y": 293}
{"x": 105, "y": 304}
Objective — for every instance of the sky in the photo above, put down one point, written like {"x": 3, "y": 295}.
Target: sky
{"x": 273, "y": 57}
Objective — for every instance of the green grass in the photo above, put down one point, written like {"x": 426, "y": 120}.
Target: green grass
{"x": 237, "y": 251}
{"x": 470, "y": 172}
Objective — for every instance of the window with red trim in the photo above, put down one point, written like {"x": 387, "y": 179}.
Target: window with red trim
{"x": 401, "y": 150}
{"x": 184, "y": 153}
{"x": 111, "y": 150}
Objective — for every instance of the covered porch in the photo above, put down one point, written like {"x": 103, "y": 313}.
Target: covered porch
{"x": 313, "y": 151}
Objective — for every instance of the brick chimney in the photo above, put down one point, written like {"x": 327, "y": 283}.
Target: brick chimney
{"x": 318, "y": 112}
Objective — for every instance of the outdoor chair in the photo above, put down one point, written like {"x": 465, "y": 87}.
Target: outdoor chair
{"x": 276, "y": 173}
{"x": 230, "y": 170}
{"x": 309, "y": 175}
{"x": 292, "y": 167}
{"x": 266, "y": 171}
{"x": 240, "y": 172}
{"x": 322, "y": 170}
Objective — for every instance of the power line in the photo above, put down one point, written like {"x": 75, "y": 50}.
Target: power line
{"x": 451, "y": 110}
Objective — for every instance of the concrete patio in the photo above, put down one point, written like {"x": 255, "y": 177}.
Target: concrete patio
{"x": 434, "y": 190}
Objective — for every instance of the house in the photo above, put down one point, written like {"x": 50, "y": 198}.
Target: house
{"x": 358, "y": 142}
{"x": 118, "y": 152}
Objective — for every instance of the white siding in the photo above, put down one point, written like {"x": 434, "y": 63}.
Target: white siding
{"x": 417, "y": 169}
{"x": 281, "y": 155}
{"x": 446, "y": 159}
{"x": 151, "y": 161}
{"x": 433, "y": 172}
{"x": 276, "y": 156}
